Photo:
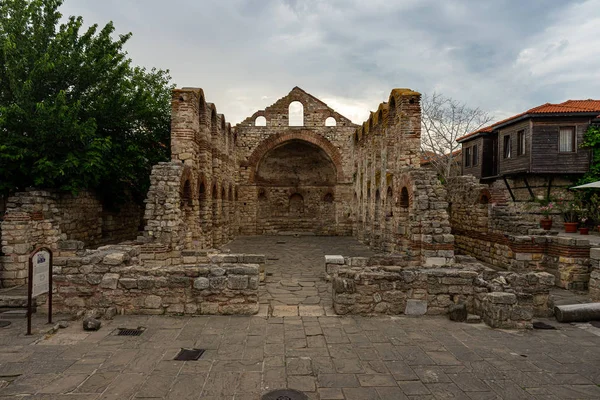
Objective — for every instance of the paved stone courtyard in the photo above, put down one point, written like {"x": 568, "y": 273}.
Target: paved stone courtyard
{"x": 295, "y": 283}
{"x": 327, "y": 357}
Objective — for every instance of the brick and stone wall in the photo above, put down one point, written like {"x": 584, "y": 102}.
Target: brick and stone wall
{"x": 486, "y": 225}
{"x": 594, "y": 283}
{"x": 502, "y": 299}
{"x": 112, "y": 280}
{"x": 41, "y": 218}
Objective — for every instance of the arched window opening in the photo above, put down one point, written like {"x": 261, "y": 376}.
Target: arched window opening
{"x": 389, "y": 209}
{"x": 355, "y": 137}
{"x": 296, "y": 114}
{"x": 328, "y": 198}
{"x": 223, "y": 125}
{"x": 380, "y": 118}
{"x": 214, "y": 192}
{"x": 186, "y": 195}
{"x": 262, "y": 195}
{"x": 404, "y": 199}
{"x": 371, "y": 123}
{"x": 260, "y": 121}
{"x": 330, "y": 122}
{"x": 296, "y": 204}
{"x": 223, "y": 199}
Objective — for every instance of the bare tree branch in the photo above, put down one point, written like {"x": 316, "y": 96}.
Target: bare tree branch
{"x": 444, "y": 120}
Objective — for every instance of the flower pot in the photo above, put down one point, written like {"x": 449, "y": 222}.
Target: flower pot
{"x": 571, "y": 227}
{"x": 546, "y": 224}
{"x": 584, "y": 231}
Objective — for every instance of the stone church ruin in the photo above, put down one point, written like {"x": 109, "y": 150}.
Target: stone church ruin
{"x": 296, "y": 167}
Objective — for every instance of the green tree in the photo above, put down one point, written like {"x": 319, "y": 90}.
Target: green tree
{"x": 74, "y": 112}
{"x": 591, "y": 140}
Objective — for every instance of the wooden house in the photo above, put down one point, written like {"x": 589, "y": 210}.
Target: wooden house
{"x": 544, "y": 140}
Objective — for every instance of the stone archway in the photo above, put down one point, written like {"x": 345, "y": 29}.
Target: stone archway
{"x": 294, "y": 178}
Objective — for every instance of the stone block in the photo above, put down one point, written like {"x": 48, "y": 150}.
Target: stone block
{"x": 116, "y": 258}
{"x": 218, "y": 282}
{"x": 110, "y": 281}
{"x": 237, "y": 282}
{"x": 458, "y": 312}
{"x": 128, "y": 283}
{"x": 501, "y": 298}
{"x": 153, "y": 302}
{"x": 435, "y": 261}
{"x": 334, "y": 259}
{"x": 201, "y": 283}
{"x": 415, "y": 307}
{"x": 595, "y": 253}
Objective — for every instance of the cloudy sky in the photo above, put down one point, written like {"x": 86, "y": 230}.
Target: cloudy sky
{"x": 504, "y": 56}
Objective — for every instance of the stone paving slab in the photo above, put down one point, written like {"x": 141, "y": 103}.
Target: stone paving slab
{"x": 328, "y": 358}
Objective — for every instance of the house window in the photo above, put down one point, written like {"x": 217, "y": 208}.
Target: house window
{"x": 468, "y": 157}
{"x": 567, "y": 140}
{"x": 507, "y": 149}
{"x": 475, "y": 155}
{"x": 520, "y": 143}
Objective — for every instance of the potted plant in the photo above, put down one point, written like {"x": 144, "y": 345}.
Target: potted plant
{"x": 569, "y": 210}
{"x": 546, "y": 221}
{"x": 583, "y": 230}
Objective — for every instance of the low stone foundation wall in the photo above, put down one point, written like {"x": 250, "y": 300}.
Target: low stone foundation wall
{"x": 111, "y": 280}
{"x": 502, "y": 299}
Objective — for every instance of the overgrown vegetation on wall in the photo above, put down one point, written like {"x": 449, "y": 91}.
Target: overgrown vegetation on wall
{"x": 592, "y": 141}
{"x": 75, "y": 113}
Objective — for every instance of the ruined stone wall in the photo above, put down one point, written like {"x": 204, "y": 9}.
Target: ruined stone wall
{"x": 111, "y": 280}
{"x": 487, "y": 227}
{"x": 203, "y": 143}
{"x": 41, "y": 218}
{"x": 286, "y": 172}
{"x": 397, "y": 206}
{"x": 503, "y": 300}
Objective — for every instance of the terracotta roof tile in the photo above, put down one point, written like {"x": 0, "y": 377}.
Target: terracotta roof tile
{"x": 567, "y": 107}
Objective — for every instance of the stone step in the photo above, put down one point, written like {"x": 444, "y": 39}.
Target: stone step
{"x": 473, "y": 319}
{"x": 14, "y": 314}
{"x": 14, "y": 301}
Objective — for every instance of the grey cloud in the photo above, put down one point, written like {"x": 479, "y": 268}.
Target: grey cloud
{"x": 247, "y": 53}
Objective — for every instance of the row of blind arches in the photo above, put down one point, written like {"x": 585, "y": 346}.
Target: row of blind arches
{"x": 295, "y": 116}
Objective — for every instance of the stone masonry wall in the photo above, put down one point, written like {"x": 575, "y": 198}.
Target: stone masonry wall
{"x": 594, "y": 283}
{"x": 111, "y": 280}
{"x": 488, "y": 227}
{"x": 295, "y": 178}
{"x": 397, "y": 206}
{"x": 503, "y": 300}
{"x": 40, "y": 218}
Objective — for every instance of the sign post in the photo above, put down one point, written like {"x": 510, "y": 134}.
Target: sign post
{"x": 40, "y": 281}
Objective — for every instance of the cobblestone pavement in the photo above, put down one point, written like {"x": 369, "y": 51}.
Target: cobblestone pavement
{"x": 295, "y": 283}
{"x": 326, "y": 357}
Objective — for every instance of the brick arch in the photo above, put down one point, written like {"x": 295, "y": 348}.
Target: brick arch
{"x": 404, "y": 181}
{"x": 307, "y": 136}
{"x": 186, "y": 177}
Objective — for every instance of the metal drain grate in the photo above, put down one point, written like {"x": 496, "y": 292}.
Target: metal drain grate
{"x": 4, "y": 324}
{"x": 130, "y": 332}
{"x": 285, "y": 394}
{"x": 189, "y": 354}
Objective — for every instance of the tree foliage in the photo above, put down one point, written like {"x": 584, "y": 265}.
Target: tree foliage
{"x": 74, "y": 112}
{"x": 443, "y": 121}
{"x": 591, "y": 141}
